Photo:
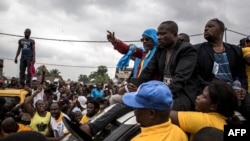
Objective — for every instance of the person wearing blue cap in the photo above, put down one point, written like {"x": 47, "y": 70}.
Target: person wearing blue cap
{"x": 149, "y": 40}
{"x": 152, "y": 103}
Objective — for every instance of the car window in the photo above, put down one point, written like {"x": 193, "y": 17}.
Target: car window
{"x": 11, "y": 99}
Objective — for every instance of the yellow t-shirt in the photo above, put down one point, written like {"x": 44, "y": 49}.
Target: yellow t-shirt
{"x": 192, "y": 122}
{"x": 41, "y": 122}
{"x": 162, "y": 132}
{"x": 246, "y": 51}
{"x": 84, "y": 119}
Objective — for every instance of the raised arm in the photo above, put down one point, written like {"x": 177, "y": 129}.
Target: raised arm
{"x": 121, "y": 47}
{"x": 43, "y": 74}
{"x": 27, "y": 102}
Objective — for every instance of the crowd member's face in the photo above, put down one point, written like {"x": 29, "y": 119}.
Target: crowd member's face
{"x": 99, "y": 86}
{"x": 203, "y": 102}
{"x": 212, "y": 31}
{"x": 91, "y": 110}
{"x": 247, "y": 43}
{"x": 165, "y": 37}
{"x": 55, "y": 110}
{"x": 182, "y": 38}
{"x": 27, "y": 33}
{"x": 147, "y": 42}
{"x": 104, "y": 105}
{"x": 34, "y": 84}
{"x": 68, "y": 91}
{"x": 64, "y": 96}
{"x": 13, "y": 81}
{"x": 142, "y": 116}
{"x": 40, "y": 106}
{"x": 80, "y": 91}
{"x": 61, "y": 90}
{"x": 78, "y": 116}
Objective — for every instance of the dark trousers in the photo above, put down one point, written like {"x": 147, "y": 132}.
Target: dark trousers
{"x": 25, "y": 66}
{"x": 183, "y": 103}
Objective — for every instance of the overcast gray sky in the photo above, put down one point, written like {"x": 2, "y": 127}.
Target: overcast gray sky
{"x": 88, "y": 20}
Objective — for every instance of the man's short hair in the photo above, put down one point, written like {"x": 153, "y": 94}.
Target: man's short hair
{"x": 185, "y": 37}
{"x": 242, "y": 42}
{"x": 209, "y": 134}
{"x": 173, "y": 27}
{"x": 220, "y": 23}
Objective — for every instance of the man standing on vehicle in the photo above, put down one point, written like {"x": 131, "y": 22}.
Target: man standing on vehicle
{"x": 27, "y": 47}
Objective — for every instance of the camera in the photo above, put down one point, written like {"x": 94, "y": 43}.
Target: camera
{"x": 51, "y": 88}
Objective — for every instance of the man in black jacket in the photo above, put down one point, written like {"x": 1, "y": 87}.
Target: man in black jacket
{"x": 175, "y": 64}
{"x": 219, "y": 61}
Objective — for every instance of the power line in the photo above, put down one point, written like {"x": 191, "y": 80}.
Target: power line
{"x": 63, "y": 40}
{"x": 58, "y": 64}
{"x": 196, "y": 35}
{"x": 236, "y": 32}
{"x": 67, "y": 40}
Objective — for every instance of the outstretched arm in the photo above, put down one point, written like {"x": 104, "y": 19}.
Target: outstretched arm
{"x": 27, "y": 102}
{"x": 111, "y": 37}
{"x": 121, "y": 47}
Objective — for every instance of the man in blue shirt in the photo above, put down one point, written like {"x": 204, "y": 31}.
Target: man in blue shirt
{"x": 26, "y": 47}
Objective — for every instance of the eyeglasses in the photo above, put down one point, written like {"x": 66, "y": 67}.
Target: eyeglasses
{"x": 145, "y": 39}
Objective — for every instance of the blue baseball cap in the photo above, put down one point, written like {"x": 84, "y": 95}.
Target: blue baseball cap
{"x": 152, "y": 95}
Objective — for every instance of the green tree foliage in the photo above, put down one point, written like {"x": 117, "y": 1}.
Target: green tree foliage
{"x": 55, "y": 73}
{"x": 39, "y": 71}
{"x": 99, "y": 76}
{"x": 83, "y": 78}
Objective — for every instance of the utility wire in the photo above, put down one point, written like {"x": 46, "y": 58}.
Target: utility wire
{"x": 57, "y": 64}
{"x": 63, "y": 40}
{"x": 236, "y": 32}
{"x": 67, "y": 40}
{"x": 196, "y": 35}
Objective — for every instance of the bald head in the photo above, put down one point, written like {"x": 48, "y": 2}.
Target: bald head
{"x": 9, "y": 125}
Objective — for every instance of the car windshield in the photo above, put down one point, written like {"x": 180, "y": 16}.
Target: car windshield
{"x": 11, "y": 99}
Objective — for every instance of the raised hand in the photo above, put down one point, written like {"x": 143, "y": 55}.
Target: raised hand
{"x": 43, "y": 68}
{"x": 111, "y": 36}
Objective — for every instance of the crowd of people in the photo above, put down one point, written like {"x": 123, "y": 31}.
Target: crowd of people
{"x": 46, "y": 104}
{"x": 176, "y": 89}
